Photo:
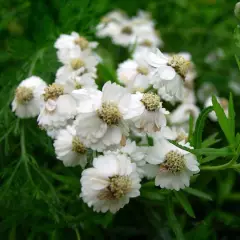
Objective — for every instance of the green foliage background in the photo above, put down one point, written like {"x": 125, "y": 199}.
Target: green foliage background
{"x": 38, "y": 196}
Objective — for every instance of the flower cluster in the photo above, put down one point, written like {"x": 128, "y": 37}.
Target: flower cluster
{"x": 97, "y": 128}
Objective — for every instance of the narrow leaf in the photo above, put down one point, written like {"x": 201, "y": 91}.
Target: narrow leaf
{"x": 198, "y": 193}
{"x": 173, "y": 221}
{"x": 185, "y": 203}
{"x": 221, "y": 152}
{"x": 223, "y": 120}
{"x": 231, "y": 115}
{"x": 199, "y": 127}
{"x": 210, "y": 140}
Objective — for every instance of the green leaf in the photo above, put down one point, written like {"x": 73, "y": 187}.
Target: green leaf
{"x": 173, "y": 221}
{"x": 198, "y": 193}
{"x": 221, "y": 152}
{"x": 236, "y": 36}
{"x": 231, "y": 115}
{"x": 223, "y": 121}
{"x": 208, "y": 159}
{"x": 225, "y": 185}
{"x": 190, "y": 132}
{"x": 153, "y": 194}
{"x": 185, "y": 203}
{"x": 237, "y": 60}
{"x": 199, "y": 127}
{"x": 210, "y": 140}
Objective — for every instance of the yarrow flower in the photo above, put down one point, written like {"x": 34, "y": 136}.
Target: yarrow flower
{"x": 135, "y": 74}
{"x": 69, "y": 148}
{"x": 67, "y": 44}
{"x": 175, "y": 166}
{"x": 57, "y": 107}
{"x": 26, "y": 103}
{"x": 101, "y": 115}
{"x": 110, "y": 183}
{"x": 127, "y": 32}
{"x": 146, "y": 112}
{"x": 169, "y": 72}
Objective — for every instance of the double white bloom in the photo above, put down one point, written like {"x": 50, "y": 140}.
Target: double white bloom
{"x": 168, "y": 72}
{"x": 110, "y": 183}
{"x": 173, "y": 166}
{"x": 26, "y": 102}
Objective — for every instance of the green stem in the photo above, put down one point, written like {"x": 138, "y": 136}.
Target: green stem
{"x": 22, "y": 141}
{"x": 230, "y": 164}
{"x": 77, "y": 234}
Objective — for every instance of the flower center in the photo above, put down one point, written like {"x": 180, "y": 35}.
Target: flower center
{"x": 180, "y": 64}
{"x": 105, "y": 20}
{"x": 110, "y": 113}
{"x": 174, "y": 162}
{"x": 127, "y": 30}
{"x": 142, "y": 70}
{"x": 24, "y": 95}
{"x": 151, "y": 101}
{"x": 53, "y": 91}
{"x": 146, "y": 43}
{"x": 118, "y": 187}
{"x": 78, "y": 146}
{"x": 78, "y": 85}
{"x": 77, "y": 63}
{"x": 82, "y": 42}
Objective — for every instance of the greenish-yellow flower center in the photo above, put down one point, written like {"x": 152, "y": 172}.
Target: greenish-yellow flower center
{"x": 127, "y": 30}
{"x": 118, "y": 187}
{"x": 78, "y": 146}
{"x": 53, "y": 91}
{"x": 151, "y": 101}
{"x": 174, "y": 162}
{"x": 142, "y": 70}
{"x": 77, "y": 63}
{"x": 78, "y": 85}
{"x": 110, "y": 113}
{"x": 82, "y": 42}
{"x": 146, "y": 43}
{"x": 23, "y": 95}
{"x": 180, "y": 64}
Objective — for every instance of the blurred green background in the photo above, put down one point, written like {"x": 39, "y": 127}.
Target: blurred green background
{"x": 28, "y": 30}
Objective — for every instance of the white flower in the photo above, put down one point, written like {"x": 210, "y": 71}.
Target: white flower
{"x": 26, "y": 102}
{"x": 180, "y": 116}
{"x": 101, "y": 115}
{"x": 127, "y": 32}
{"x": 146, "y": 112}
{"x": 57, "y": 107}
{"x": 169, "y": 72}
{"x": 78, "y": 60}
{"x": 110, "y": 184}
{"x": 206, "y": 90}
{"x": 69, "y": 148}
{"x": 110, "y": 23}
{"x": 175, "y": 166}
{"x": 72, "y": 80}
{"x": 136, "y": 154}
{"x": 223, "y": 102}
{"x": 172, "y": 133}
{"x": 68, "y": 43}
{"x": 135, "y": 74}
